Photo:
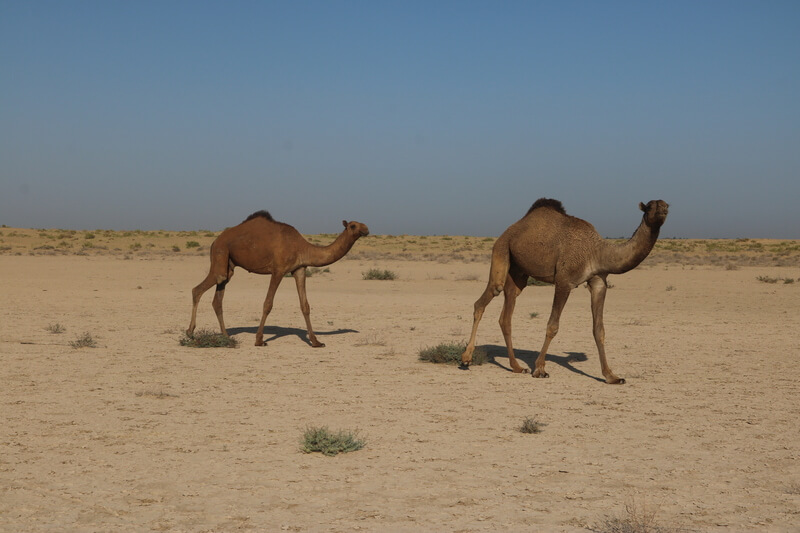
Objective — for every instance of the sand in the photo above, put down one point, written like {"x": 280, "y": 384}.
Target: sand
{"x": 140, "y": 433}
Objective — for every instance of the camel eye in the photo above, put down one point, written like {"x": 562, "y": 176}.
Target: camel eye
{"x": 352, "y": 226}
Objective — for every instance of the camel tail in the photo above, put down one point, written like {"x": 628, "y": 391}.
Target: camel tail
{"x": 501, "y": 262}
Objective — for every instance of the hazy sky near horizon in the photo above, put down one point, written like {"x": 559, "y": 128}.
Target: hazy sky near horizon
{"x": 432, "y": 117}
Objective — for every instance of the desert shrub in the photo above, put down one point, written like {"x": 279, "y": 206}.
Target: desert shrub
{"x": 56, "y": 328}
{"x": 204, "y": 338}
{"x": 531, "y": 425}
{"x": 136, "y": 246}
{"x": 192, "y": 244}
{"x": 636, "y": 519}
{"x": 176, "y": 248}
{"x": 450, "y": 352}
{"x": 84, "y": 341}
{"x": 327, "y": 442}
{"x": 375, "y": 273}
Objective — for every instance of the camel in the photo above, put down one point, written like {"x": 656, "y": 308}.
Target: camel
{"x": 262, "y": 245}
{"x": 549, "y": 245}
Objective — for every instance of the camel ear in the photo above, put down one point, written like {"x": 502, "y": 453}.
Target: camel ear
{"x": 643, "y": 207}
{"x": 344, "y": 223}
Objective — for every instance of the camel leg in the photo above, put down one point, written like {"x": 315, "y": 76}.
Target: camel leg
{"x": 300, "y": 279}
{"x": 198, "y": 292}
{"x": 597, "y": 287}
{"x": 513, "y": 287}
{"x": 219, "y": 294}
{"x": 559, "y": 300}
{"x": 274, "y": 281}
{"x": 498, "y": 273}
{"x": 480, "y": 306}
{"x": 220, "y": 271}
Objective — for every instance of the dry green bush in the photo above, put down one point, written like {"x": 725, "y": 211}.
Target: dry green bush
{"x": 531, "y": 425}
{"x": 375, "y": 273}
{"x": 84, "y": 341}
{"x": 56, "y": 328}
{"x": 450, "y": 353}
{"x": 204, "y": 338}
{"x": 327, "y": 442}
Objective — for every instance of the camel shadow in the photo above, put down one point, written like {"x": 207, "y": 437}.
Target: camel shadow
{"x": 272, "y": 333}
{"x": 529, "y": 358}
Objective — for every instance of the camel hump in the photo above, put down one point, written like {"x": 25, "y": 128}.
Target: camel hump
{"x": 550, "y": 203}
{"x": 260, "y": 214}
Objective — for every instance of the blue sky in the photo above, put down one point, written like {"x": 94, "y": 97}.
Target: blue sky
{"x": 412, "y": 117}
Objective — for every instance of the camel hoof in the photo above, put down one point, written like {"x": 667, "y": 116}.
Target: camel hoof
{"x": 616, "y": 381}
{"x": 521, "y": 370}
{"x": 260, "y": 343}
{"x": 317, "y": 345}
{"x": 540, "y": 374}
{"x": 463, "y": 366}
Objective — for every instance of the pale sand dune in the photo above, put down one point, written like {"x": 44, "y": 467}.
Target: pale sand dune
{"x": 142, "y": 434}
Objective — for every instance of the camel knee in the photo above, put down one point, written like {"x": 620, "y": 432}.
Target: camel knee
{"x": 552, "y": 330}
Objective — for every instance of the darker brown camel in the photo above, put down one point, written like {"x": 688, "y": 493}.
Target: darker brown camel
{"x": 264, "y": 246}
{"x": 549, "y": 245}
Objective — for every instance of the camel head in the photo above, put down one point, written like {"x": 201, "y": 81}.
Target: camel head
{"x": 655, "y": 212}
{"x": 356, "y": 229}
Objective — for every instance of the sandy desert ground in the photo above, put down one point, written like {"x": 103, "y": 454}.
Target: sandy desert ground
{"x": 140, "y": 433}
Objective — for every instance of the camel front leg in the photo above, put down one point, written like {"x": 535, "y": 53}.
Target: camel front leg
{"x": 274, "y": 281}
{"x": 300, "y": 280}
{"x": 559, "y": 301}
{"x": 597, "y": 287}
{"x": 513, "y": 287}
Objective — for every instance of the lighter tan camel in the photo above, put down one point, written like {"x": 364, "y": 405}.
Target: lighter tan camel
{"x": 551, "y": 246}
{"x": 264, "y": 246}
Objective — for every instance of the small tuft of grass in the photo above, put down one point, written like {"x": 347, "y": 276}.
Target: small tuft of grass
{"x": 376, "y": 273}
{"x": 327, "y": 442}
{"x": 636, "y": 519}
{"x": 56, "y": 328}
{"x": 670, "y": 288}
{"x": 208, "y": 339}
{"x": 84, "y": 341}
{"x": 537, "y": 283}
{"x": 531, "y": 425}
{"x": 192, "y": 244}
{"x": 534, "y": 315}
{"x": 450, "y": 353}
{"x": 767, "y": 279}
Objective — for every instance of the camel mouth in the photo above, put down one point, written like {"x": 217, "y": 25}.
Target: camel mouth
{"x": 364, "y": 233}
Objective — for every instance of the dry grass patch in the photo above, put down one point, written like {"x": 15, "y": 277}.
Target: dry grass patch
{"x": 378, "y": 274}
{"x": 450, "y": 353}
{"x": 637, "y": 518}
{"x": 204, "y": 338}
{"x": 84, "y": 341}
{"x": 160, "y": 395}
{"x": 55, "y": 328}
{"x": 531, "y": 425}
{"x": 327, "y": 442}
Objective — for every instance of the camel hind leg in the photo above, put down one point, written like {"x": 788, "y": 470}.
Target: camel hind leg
{"x": 497, "y": 278}
{"x": 514, "y": 285}
{"x": 218, "y": 296}
{"x": 221, "y": 270}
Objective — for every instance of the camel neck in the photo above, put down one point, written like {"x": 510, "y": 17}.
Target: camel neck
{"x": 620, "y": 258}
{"x": 325, "y": 255}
